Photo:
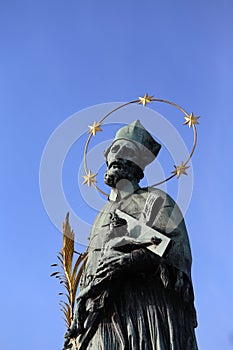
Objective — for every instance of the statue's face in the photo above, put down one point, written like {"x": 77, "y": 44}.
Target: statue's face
{"x": 123, "y": 149}
{"x": 121, "y": 160}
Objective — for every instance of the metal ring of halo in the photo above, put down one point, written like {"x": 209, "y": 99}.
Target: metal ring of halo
{"x": 139, "y": 101}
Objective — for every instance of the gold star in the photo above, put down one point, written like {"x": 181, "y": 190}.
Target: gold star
{"x": 146, "y": 99}
{"x": 180, "y": 169}
{"x": 89, "y": 179}
{"x": 191, "y": 120}
{"x": 94, "y": 128}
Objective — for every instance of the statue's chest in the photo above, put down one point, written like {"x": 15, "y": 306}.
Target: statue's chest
{"x": 100, "y": 234}
{"x": 100, "y": 230}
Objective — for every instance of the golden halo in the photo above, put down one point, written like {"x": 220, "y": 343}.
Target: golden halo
{"x": 190, "y": 120}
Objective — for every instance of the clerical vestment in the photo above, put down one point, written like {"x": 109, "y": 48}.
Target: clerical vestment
{"x": 151, "y": 309}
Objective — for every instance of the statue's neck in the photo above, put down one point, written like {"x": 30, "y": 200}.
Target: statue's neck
{"x": 124, "y": 189}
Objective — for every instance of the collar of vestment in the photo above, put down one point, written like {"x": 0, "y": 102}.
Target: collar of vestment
{"x": 118, "y": 194}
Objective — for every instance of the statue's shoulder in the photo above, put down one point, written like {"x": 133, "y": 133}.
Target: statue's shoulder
{"x": 156, "y": 192}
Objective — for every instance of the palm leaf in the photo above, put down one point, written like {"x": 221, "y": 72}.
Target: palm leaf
{"x": 60, "y": 259}
{"x": 69, "y": 276}
{"x": 65, "y": 294}
{"x": 66, "y": 322}
{"x": 78, "y": 278}
{"x": 68, "y": 245}
{"x": 78, "y": 262}
{"x": 55, "y": 273}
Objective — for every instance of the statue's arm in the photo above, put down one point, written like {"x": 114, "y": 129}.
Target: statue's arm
{"x": 130, "y": 255}
{"x": 128, "y": 258}
{"x": 139, "y": 260}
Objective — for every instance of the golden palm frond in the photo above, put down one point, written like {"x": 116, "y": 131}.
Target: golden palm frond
{"x": 70, "y": 272}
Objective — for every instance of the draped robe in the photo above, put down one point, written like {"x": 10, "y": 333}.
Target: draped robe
{"x": 149, "y": 308}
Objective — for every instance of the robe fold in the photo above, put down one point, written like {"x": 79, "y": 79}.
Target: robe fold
{"x": 151, "y": 309}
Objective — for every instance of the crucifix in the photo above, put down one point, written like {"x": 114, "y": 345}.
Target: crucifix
{"x": 159, "y": 242}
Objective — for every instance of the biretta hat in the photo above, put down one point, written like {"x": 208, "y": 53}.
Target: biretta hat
{"x": 136, "y": 133}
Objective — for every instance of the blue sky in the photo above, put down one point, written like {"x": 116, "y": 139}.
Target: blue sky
{"x": 58, "y": 57}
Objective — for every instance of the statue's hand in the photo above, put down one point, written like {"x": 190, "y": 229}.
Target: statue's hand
{"x": 138, "y": 261}
{"x": 116, "y": 262}
{"x": 110, "y": 266}
{"x": 128, "y": 245}
{"x": 69, "y": 335}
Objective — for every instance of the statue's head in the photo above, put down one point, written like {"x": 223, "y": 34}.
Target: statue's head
{"x": 132, "y": 149}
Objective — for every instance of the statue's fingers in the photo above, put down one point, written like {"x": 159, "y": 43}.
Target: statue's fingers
{"x": 109, "y": 260}
{"x": 101, "y": 280}
{"x": 108, "y": 266}
{"x": 102, "y": 272}
{"x": 106, "y": 260}
{"x": 102, "y": 267}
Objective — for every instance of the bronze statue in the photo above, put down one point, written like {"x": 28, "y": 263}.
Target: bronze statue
{"x": 136, "y": 290}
